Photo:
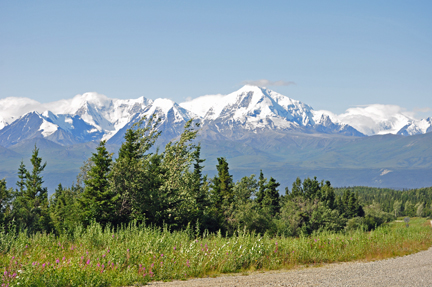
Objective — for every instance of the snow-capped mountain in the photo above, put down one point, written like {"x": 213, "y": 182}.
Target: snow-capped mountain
{"x": 172, "y": 119}
{"x": 255, "y": 108}
{"x": 251, "y": 109}
{"x": 91, "y": 117}
{"x": 416, "y": 127}
{"x": 380, "y": 119}
{"x": 3, "y": 123}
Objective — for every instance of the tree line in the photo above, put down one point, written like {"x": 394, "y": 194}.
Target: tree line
{"x": 168, "y": 188}
{"x": 411, "y": 203}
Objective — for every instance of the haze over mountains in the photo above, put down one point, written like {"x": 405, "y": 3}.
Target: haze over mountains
{"x": 254, "y": 127}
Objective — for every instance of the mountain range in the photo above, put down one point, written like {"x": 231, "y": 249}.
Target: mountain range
{"x": 254, "y": 127}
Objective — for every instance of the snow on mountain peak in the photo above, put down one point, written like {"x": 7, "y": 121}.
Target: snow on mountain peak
{"x": 253, "y": 107}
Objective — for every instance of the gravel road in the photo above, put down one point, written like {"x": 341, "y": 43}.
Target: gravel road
{"x": 410, "y": 270}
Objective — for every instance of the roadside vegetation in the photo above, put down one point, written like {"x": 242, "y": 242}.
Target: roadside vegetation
{"x": 148, "y": 216}
{"x": 136, "y": 255}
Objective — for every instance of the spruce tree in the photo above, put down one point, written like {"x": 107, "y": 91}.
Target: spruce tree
{"x": 31, "y": 202}
{"x": 222, "y": 184}
{"x": 22, "y": 171}
{"x": 261, "y": 188}
{"x": 133, "y": 184}
{"x": 97, "y": 201}
{"x": 5, "y": 203}
{"x": 222, "y": 195}
{"x": 271, "y": 197}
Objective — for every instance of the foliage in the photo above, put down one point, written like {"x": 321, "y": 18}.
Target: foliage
{"x": 30, "y": 205}
{"x": 136, "y": 254}
{"x": 97, "y": 202}
{"x": 397, "y": 202}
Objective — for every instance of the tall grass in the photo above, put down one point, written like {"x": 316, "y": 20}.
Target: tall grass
{"x": 135, "y": 255}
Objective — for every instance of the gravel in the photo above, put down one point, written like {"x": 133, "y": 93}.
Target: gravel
{"x": 410, "y": 270}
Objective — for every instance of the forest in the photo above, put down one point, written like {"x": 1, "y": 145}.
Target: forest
{"x": 168, "y": 189}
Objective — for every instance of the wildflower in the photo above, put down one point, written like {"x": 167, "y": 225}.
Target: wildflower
{"x": 113, "y": 236}
{"x": 103, "y": 266}
{"x": 103, "y": 255}
{"x": 98, "y": 265}
{"x": 162, "y": 255}
{"x": 43, "y": 265}
{"x": 152, "y": 265}
{"x": 13, "y": 257}
{"x": 174, "y": 248}
{"x": 88, "y": 262}
{"x": 26, "y": 246}
{"x": 64, "y": 258}
{"x": 57, "y": 261}
{"x": 128, "y": 250}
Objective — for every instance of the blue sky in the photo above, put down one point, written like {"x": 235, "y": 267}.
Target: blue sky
{"x": 338, "y": 54}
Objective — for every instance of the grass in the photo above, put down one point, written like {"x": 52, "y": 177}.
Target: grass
{"x": 137, "y": 255}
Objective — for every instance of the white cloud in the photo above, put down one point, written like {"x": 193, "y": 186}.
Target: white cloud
{"x": 375, "y": 119}
{"x": 202, "y": 104}
{"x": 267, "y": 83}
{"x": 12, "y": 108}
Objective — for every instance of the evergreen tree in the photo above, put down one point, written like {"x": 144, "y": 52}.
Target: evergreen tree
{"x": 221, "y": 195}
{"x": 31, "y": 203}
{"x": 5, "y": 202}
{"x": 297, "y": 189}
{"x": 63, "y": 209}
{"x": 22, "y": 171}
{"x": 97, "y": 201}
{"x": 271, "y": 197}
{"x": 133, "y": 181}
{"x": 261, "y": 188}
{"x": 222, "y": 185}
